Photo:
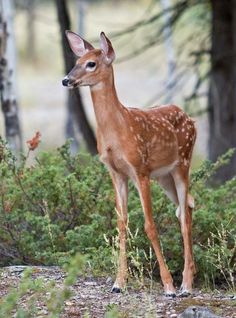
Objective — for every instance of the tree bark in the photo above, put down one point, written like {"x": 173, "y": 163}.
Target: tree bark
{"x": 74, "y": 105}
{"x": 31, "y": 30}
{"x": 170, "y": 54}
{"x": 222, "y": 91}
{"x": 7, "y": 77}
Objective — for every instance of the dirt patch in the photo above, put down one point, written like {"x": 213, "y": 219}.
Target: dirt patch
{"x": 92, "y": 296}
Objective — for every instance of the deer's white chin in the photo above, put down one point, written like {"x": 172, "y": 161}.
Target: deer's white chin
{"x": 97, "y": 87}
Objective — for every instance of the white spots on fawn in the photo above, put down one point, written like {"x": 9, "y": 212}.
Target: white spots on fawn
{"x": 140, "y": 152}
{"x": 155, "y": 127}
{"x": 169, "y": 144}
{"x": 186, "y": 162}
{"x": 154, "y": 139}
{"x": 140, "y": 138}
{"x": 142, "y": 155}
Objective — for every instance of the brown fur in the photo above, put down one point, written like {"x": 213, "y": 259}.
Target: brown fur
{"x": 140, "y": 144}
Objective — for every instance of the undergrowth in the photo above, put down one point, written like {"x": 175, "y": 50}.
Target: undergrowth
{"x": 63, "y": 205}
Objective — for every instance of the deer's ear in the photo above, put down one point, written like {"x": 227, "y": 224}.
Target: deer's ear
{"x": 78, "y": 45}
{"x": 106, "y": 47}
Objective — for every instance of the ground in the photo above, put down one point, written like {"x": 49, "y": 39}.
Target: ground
{"x": 92, "y": 297}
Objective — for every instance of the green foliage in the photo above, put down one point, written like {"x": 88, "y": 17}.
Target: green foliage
{"x": 112, "y": 311}
{"x": 221, "y": 255}
{"x": 63, "y": 205}
{"x": 52, "y": 210}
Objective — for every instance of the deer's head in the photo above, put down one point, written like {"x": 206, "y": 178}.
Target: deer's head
{"x": 92, "y": 65}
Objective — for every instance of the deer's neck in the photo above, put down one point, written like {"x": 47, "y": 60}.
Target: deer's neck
{"x": 109, "y": 111}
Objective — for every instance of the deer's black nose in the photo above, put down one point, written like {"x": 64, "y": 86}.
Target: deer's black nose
{"x": 65, "y": 81}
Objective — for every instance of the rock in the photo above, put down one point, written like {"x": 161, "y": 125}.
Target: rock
{"x": 90, "y": 283}
{"x": 17, "y": 269}
{"x": 233, "y": 297}
{"x": 159, "y": 311}
{"x": 198, "y": 312}
{"x": 42, "y": 312}
{"x": 109, "y": 280}
{"x": 69, "y": 303}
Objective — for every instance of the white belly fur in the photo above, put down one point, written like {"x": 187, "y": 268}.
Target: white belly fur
{"x": 163, "y": 170}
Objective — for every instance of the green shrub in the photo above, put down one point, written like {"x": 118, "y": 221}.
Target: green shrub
{"x": 63, "y": 205}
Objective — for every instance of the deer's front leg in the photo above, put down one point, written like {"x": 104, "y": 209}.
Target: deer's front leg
{"x": 120, "y": 184}
{"x": 143, "y": 185}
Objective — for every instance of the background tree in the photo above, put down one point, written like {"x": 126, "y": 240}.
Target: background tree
{"x": 7, "y": 77}
{"x": 30, "y": 6}
{"x": 76, "y": 116}
{"x": 222, "y": 92}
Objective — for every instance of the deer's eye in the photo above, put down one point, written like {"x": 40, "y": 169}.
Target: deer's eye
{"x": 90, "y": 65}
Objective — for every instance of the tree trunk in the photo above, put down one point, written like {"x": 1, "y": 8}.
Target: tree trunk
{"x": 75, "y": 107}
{"x": 169, "y": 50}
{"x": 81, "y": 5}
{"x": 222, "y": 92}
{"x": 7, "y": 77}
{"x": 31, "y": 31}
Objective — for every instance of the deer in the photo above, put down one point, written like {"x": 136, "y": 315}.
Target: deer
{"x": 141, "y": 145}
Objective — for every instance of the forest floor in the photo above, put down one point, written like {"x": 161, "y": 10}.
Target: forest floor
{"x": 92, "y": 297}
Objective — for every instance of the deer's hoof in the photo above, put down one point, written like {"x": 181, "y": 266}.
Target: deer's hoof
{"x": 115, "y": 290}
{"x": 184, "y": 293}
{"x": 170, "y": 295}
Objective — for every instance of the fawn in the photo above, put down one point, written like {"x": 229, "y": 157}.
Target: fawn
{"x": 155, "y": 143}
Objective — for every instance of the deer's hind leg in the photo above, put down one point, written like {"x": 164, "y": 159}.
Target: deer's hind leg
{"x": 168, "y": 185}
{"x": 181, "y": 179}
